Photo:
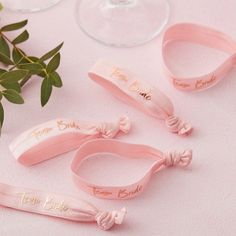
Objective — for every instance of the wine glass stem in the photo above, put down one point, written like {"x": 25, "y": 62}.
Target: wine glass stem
{"x": 121, "y": 2}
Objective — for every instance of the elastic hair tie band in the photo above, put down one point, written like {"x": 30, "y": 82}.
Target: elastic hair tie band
{"x": 126, "y": 150}
{"x": 199, "y": 34}
{"x": 58, "y": 136}
{"x": 59, "y": 206}
{"x": 130, "y": 151}
{"x": 128, "y": 88}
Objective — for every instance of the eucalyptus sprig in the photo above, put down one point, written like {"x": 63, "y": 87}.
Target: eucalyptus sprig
{"x": 18, "y": 68}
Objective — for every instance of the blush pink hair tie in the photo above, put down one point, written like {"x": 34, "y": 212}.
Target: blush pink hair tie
{"x": 130, "y": 151}
{"x": 58, "y": 206}
{"x": 127, "y": 87}
{"x": 58, "y": 136}
{"x": 205, "y": 36}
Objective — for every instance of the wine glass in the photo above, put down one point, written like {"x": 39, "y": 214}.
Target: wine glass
{"x": 122, "y": 23}
{"x": 28, "y": 5}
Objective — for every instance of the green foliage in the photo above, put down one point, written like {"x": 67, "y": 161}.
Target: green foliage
{"x": 18, "y": 68}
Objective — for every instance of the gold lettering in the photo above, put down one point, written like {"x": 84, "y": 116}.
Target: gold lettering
{"x": 100, "y": 191}
{"x": 41, "y": 132}
{"x": 135, "y": 86}
{"x": 180, "y": 84}
{"x": 145, "y": 93}
{"x": 204, "y": 83}
{"x": 51, "y": 205}
{"x": 29, "y": 200}
{"x": 118, "y": 74}
{"x": 124, "y": 193}
{"x": 65, "y": 125}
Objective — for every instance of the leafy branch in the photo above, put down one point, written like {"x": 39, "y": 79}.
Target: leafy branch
{"x": 18, "y": 68}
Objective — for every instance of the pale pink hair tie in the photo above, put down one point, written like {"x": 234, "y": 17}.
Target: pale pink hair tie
{"x": 58, "y": 136}
{"x": 59, "y": 206}
{"x": 127, "y": 87}
{"x": 35, "y": 154}
{"x": 205, "y": 36}
{"x": 130, "y": 151}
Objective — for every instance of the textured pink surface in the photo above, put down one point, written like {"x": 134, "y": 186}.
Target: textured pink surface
{"x": 198, "y": 201}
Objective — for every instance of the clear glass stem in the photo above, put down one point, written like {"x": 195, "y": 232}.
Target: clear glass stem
{"x": 121, "y": 2}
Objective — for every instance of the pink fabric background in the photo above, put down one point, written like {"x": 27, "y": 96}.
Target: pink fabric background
{"x": 200, "y": 200}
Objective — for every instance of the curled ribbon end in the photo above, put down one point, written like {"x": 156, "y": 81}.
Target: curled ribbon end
{"x": 110, "y": 130}
{"x": 186, "y": 130}
{"x": 120, "y": 216}
{"x": 181, "y": 159}
{"x": 107, "y": 220}
{"x": 124, "y": 124}
{"x": 176, "y": 125}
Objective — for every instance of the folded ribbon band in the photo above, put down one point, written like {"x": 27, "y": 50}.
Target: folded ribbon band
{"x": 126, "y": 87}
{"x": 130, "y": 151}
{"x": 59, "y": 136}
{"x": 59, "y": 206}
{"x": 205, "y": 36}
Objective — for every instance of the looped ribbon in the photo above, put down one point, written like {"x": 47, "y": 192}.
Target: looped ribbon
{"x": 58, "y": 206}
{"x": 96, "y": 146}
{"x": 58, "y": 136}
{"x": 128, "y": 88}
{"x": 204, "y": 36}
{"x": 130, "y": 151}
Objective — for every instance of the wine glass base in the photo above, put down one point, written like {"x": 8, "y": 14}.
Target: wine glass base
{"x": 29, "y": 5}
{"x": 124, "y": 25}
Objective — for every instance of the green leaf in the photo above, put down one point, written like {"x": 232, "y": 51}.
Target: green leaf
{"x": 1, "y": 116}
{"x": 54, "y": 63}
{"x": 0, "y": 96}
{"x": 2, "y": 71}
{"x": 15, "y": 86}
{"x": 34, "y": 59}
{"x": 31, "y": 66}
{"x": 14, "y": 26}
{"x": 21, "y": 38}
{"x": 55, "y": 79}
{"x": 46, "y": 91}
{"x": 13, "y": 76}
{"x": 51, "y": 53}
{"x": 4, "y": 47}
{"x": 16, "y": 55}
{"x": 13, "y": 96}
{"x": 5, "y": 59}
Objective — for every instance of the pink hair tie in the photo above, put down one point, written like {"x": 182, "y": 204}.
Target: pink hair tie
{"x": 205, "y": 36}
{"x": 127, "y": 87}
{"x": 58, "y": 206}
{"x": 58, "y": 136}
{"x": 130, "y": 151}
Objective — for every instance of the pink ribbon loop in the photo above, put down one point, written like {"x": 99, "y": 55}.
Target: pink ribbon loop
{"x": 59, "y": 206}
{"x": 130, "y": 151}
{"x": 58, "y": 136}
{"x": 128, "y": 88}
{"x": 205, "y": 36}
